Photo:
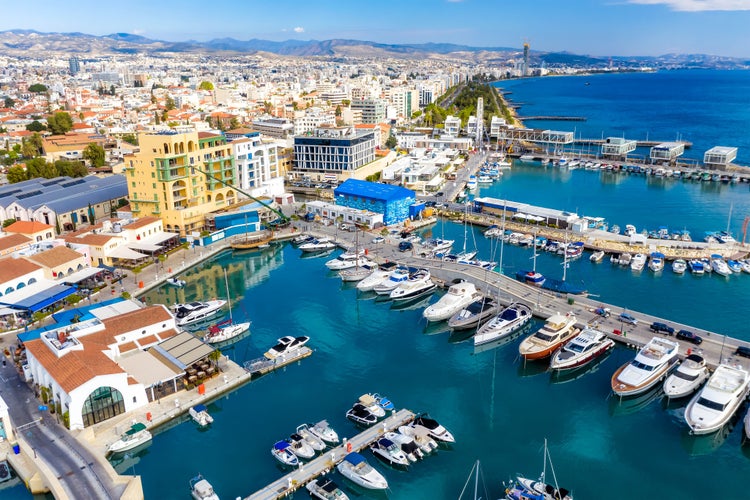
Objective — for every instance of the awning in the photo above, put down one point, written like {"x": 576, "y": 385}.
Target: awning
{"x": 183, "y": 349}
{"x": 38, "y": 300}
{"x": 144, "y": 247}
{"x": 80, "y": 275}
{"x": 124, "y": 252}
{"x": 146, "y": 368}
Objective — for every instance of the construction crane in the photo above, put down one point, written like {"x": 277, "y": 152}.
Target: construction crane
{"x": 282, "y": 221}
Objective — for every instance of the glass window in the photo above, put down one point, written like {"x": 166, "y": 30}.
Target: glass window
{"x": 102, "y": 404}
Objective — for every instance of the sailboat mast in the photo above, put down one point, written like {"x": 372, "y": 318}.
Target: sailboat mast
{"x": 476, "y": 480}
{"x": 729, "y": 217}
{"x": 502, "y": 240}
{"x": 229, "y": 298}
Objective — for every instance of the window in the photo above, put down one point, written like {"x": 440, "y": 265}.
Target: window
{"x": 102, "y": 404}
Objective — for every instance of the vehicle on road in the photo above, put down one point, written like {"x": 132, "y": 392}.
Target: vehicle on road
{"x": 659, "y": 327}
{"x": 689, "y": 336}
{"x": 627, "y": 318}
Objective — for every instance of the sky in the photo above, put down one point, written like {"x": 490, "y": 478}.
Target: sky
{"x": 592, "y": 27}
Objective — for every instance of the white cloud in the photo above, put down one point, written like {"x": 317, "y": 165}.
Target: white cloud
{"x": 138, "y": 31}
{"x": 698, "y": 5}
{"x": 299, "y": 29}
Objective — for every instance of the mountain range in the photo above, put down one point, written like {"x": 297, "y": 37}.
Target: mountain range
{"x": 30, "y": 43}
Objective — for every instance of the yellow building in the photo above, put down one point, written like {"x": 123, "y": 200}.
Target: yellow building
{"x": 165, "y": 178}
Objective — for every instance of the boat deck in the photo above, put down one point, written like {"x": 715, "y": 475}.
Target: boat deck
{"x": 261, "y": 366}
{"x": 296, "y": 479}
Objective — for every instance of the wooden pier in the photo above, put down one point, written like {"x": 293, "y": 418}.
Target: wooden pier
{"x": 306, "y": 472}
{"x": 261, "y": 366}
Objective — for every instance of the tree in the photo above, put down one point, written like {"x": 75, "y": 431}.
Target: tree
{"x": 95, "y": 154}
{"x": 38, "y": 88}
{"x": 130, "y": 139}
{"x": 346, "y": 102}
{"x": 16, "y": 174}
{"x": 391, "y": 142}
{"x": 206, "y": 86}
{"x": 28, "y": 149}
{"x": 169, "y": 103}
{"x": 36, "y": 126}
{"x": 60, "y": 123}
{"x": 71, "y": 168}
{"x": 9, "y": 103}
{"x": 234, "y": 123}
{"x": 38, "y": 167}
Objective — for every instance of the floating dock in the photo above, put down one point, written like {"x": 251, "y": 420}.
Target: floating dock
{"x": 261, "y": 366}
{"x": 306, "y": 472}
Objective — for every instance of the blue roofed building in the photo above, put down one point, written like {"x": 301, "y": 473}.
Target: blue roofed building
{"x": 393, "y": 202}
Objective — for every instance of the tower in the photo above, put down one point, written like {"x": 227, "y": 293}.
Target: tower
{"x": 480, "y": 122}
{"x": 74, "y": 64}
{"x": 525, "y": 59}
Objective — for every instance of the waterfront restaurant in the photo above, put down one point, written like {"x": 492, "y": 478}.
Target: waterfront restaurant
{"x": 526, "y": 213}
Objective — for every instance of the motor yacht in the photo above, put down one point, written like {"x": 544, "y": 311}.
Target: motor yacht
{"x": 347, "y": 260}
{"x": 439, "y": 246}
{"x": 382, "y": 273}
{"x": 324, "y": 488}
{"x": 317, "y": 245}
{"x": 473, "y": 315}
{"x": 200, "y": 415}
{"x": 224, "y": 331}
{"x": 597, "y": 256}
{"x": 656, "y": 262}
{"x": 407, "y": 444}
{"x": 197, "y": 312}
{"x": 176, "y": 282}
{"x": 355, "y": 468}
{"x": 679, "y": 266}
{"x": 300, "y": 447}
{"x": 201, "y": 489}
{"x": 509, "y": 320}
{"x": 358, "y": 273}
{"x": 418, "y": 285}
{"x": 389, "y": 451}
{"x": 650, "y": 365}
{"x": 696, "y": 266}
{"x": 719, "y": 265}
{"x": 314, "y": 441}
{"x": 324, "y": 431}
{"x": 282, "y": 451}
{"x": 372, "y": 405}
{"x": 557, "y": 330}
{"x": 458, "y": 296}
{"x": 714, "y": 405}
{"x": 397, "y": 277}
{"x": 435, "y": 430}
{"x": 638, "y": 262}
{"x": 133, "y": 437}
{"x": 421, "y": 437}
{"x": 584, "y": 348}
{"x": 286, "y": 345}
{"x": 687, "y": 378}
{"x": 359, "y": 414}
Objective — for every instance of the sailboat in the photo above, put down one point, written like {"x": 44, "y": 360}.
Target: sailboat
{"x": 226, "y": 330}
{"x": 475, "y": 471}
{"x": 464, "y": 256}
{"x": 358, "y": 272}
{"x": 524, "y": 489}
{"x": 248, "y": 242}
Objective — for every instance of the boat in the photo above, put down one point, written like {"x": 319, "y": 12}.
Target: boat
{"x": 372, "y": 405}
{"x": 348, "y": 260}
{"x": 5, "y": 474}
{"x": 473, "y": 315}
{"x": 531, "y": 278}
{"x": 300, "y": 446}
{"x": 197, "y": 312}
{"x": 506, "y": 322}
{"x": 485, "y": 179}
{"x": 745, "y": 265}
{"x": 133, "y": 437}
{"x": 529, "y": 489}
{"x": 360, "y": 414}
{"x": 719, "y": 265}
{"x": 527, "y": 158}
{"x": 200, "y": 415}
{"x": 324, "y": 431}
{"x": 286, "y": 345}
{"x": 574, "y": 250}
{"x": 201, "y": 489}
{"x": 584, "y": 348}
{"x": 629, "y": 230}
{"x": 471, "y": 184}
{"x": 389, "y": 451}
{"x": 557, "y": 330}
{"x": 734, "y": 265}
{"x": 176, "y": 282}
{"x": 718, "y": 400}
{"x": 656, "y": 262}
{"x": 382, "y": 273}
{"x": 696, "y": 266}
{"x": 317, "y": 245}
{"x": 687, "y": 378}
{"x": 407, "y": 444}
{"x": 250, "y": 240}
{"x": 226, "y": 330}
{"x": 358, "y": 273}
{"x": 397, "y": 278}
{"x": 418, "y": 285}
{"x": 626, "y": 259}
{"x": 282, "y": 451}
{"x": 679, "y": 266}
{"x": 435, "y": 430}
{"x": 302, "y": 238}
{"x": 650, "y": 365}
{"x": 615, "y": 229}
{"x": 597, "y": 256}
{"x": 355, "y": 468}
{"x": 458, "y": 296}
{"x": 638, "y": 262}
{"x": 421, "y": 437}
{"x": 324, "y": 488}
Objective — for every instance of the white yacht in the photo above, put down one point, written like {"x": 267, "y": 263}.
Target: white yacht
{"x": 418, "y": 285}
{"x": 421, "y": 437}
{"x": 317, "y": 443}
{"x": 325, "y": 489}
{"x": 301, "y": 447}
{"x": 347, "y": 260}
{"x": 201, "y": 489}
{"x": 372, "y": 405}
{"x": 719, "y": 265}
{"x": 135, "y": 436}
{"x": 382, "y": 273}
{"x": 389, "y": 451}
{"x": 656, "y": 262}
{"x": 197, "y": 312}
{"x": 439, "y": 245}
{"x": 557, "y": 330}
{"x": 474, "y": 314}
{"x": 679, "y": 266}
{"x": 630, "y": 230}
{"x": 324, "y": 432}
{"x": 200, "y": 415}
{"x": 397, "y": 277}
{"x": 650, "y": 365}
{"x": 506, "y": 322}
{"x": 355, "y": 468}
{"x": 458, "y": 296}
{"x": 285, "y": 345}
{"x": 638, "y": 262}
{"x": 358, "y": 273}
{"x": 407, "y": 444}
{"x": 687, "y": 378}
{"x": 715, "y": 404}
{"x": 584, "y": 348}
{"x": 435, "y": 430}
{"x": 282, "y": 451}
{"x": 317, "y": 245}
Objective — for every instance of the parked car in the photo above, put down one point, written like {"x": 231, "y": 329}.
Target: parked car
{"x": 689, "y": 336}
{"x": 743, "y": 351}
{"x": 627, "y": 318}
{"x": 604, "y": 312}
{"x": 378, "y": 239}
{"x": 661, "y": 328}
{"x": 405, "y": 246}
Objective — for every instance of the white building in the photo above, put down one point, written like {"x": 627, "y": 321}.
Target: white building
{"x": 257, "y": 165}
{"x": 309, "y": 120}
{"x": 496, "y": 124}
{"x": 452, "y": 125}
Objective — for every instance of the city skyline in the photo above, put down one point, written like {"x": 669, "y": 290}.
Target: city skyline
{"x": 593, "y": 27}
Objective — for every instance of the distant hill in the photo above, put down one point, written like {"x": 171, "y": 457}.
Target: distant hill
{"x": 30, "y": 43}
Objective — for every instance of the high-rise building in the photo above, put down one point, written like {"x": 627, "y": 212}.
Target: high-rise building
{"x": 174, "y": 177}
{"x": 74, "y": 64}
{"x": 373, "y": 110}
{"x": 525, "y": 59}
{"x": 333, "y": 151}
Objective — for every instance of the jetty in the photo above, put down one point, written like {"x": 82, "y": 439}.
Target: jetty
{"x": 261, "y": 366}
{"x": 306, "y": 472}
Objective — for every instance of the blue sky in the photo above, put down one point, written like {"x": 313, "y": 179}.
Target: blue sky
{"x": 595, "y": 27}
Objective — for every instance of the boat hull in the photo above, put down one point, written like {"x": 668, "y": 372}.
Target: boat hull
{"x": 580, "y": 361}
{"x": 623, "y": 389}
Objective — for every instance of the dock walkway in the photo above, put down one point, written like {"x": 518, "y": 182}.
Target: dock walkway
{"x": 283, "y": 486}
{"x": 261, "y": 366}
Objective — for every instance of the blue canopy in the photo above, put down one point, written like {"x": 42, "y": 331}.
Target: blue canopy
{"x": 281, "y": 445}
{"x": 42, "y": 299}
{"x": 200, "y": 408}
{"x": 657, "y": 255}
{"x": 354, "y": 458}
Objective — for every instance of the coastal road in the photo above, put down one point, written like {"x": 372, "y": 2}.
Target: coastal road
{"x": 79, "y": 473}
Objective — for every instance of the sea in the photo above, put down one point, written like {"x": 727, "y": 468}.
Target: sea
{"x": 500, "y": 409}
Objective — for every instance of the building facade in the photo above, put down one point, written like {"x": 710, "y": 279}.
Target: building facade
{"x": 391, "y": 201}
{"x": 333, "y": 150}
